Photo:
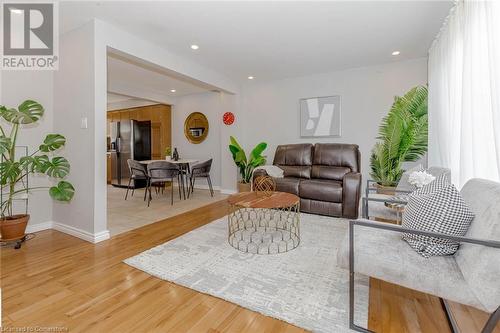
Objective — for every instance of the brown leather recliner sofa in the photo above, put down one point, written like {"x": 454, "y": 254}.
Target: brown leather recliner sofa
{"x": 325, "y": 176}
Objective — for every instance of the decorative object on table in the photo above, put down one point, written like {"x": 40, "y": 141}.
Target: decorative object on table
{"x": 168, "y": 153}
{"x": 404, "y": 181}
{"x": 196, "y": 127}
{"x": 264, "y": 185}
{"x": 402, "y": 135}
{"x": 397, "y": 204}
{"x": 320, "y": 117}
{"x": 313, "y": 289}
{"x": 420, "y": 178}
{"x": 175, "y": 155}
{"x": 15, "y": 172}
{"x": 228, "y": 118}
{"x": 246, "y": 165}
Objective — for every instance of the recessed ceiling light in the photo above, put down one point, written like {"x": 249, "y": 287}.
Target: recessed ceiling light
{"x": 173, "y": 90}
{"x": 250, "y": 77}
{"x": 195, "y": 47}
{"x": 396, "y": 53}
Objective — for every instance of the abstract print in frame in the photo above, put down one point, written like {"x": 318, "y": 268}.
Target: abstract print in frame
{"x": 320, "y": 117}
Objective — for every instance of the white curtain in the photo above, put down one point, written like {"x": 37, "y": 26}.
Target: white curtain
{"x": 464, "y": 93}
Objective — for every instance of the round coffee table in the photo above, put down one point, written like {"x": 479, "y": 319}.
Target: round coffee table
{"x": 264, "y": 224}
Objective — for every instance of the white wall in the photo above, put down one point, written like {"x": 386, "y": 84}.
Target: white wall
{"x": 213, "y": 105}
{"x": 16, "y": 87}
{"x": 271, "y": 109}
{"x": 74, "y": 98}
{"x": 208, "y": 104}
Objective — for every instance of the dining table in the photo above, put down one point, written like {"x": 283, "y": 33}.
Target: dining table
{"x": 184, "y": 167}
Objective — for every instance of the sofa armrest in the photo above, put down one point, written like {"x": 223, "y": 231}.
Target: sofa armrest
{"x": 351, "y": 192}
{"x": 400, "y": 229}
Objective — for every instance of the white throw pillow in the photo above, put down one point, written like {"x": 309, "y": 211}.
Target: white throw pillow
{"x": 436, "y": 209}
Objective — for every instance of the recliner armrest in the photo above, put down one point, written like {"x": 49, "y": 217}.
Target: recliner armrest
{"x": 351, "y": 192}
{"x": 401, "y": 229}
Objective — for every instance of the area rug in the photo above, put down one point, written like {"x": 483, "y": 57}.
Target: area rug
{"x": 304, "y": 287}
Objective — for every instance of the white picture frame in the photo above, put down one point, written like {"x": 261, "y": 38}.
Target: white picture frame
{"x": 320, "y": 117}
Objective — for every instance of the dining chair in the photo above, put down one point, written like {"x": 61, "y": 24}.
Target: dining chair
{"x": 201, "y": 170}
{"x": 137, "y": 172}
{"x": 161, "y": 172}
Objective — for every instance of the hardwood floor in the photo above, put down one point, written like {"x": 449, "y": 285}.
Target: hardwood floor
{"x": 56, "y": 280}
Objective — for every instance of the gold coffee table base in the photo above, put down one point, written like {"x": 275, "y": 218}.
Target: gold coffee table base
{"x": 255, "y": 226}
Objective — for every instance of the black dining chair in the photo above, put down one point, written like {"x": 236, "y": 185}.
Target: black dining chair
{"x": 201, "y": 170}
{"x": 161, "y": 172}
{"x": 137, "y": 172}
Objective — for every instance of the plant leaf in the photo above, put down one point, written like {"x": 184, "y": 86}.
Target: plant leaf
{"x": 9, "y": 172}
{"x": 63, "y": 191}
{"x": 402, "y": 135}
{"x": 5, "y": 144}
{"x": 28, "y": 112}
{"x": 58, "y": 167}
{"x": 257, "y": 151}
{"x": 52, "y": 142}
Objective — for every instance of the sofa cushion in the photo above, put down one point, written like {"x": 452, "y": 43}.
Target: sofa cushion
{"x": 329, "y": 172}
{"x": 337, "y": 155}
{"x": 299, "y": 171}
{"x": 288, "y": 184}
{"x": 480, "y": 265}
{"x": 294, "y": 159}
{"x": 382, "y": 254}
{"x": 443, "y": 211}
{"x": 323, "y": 190}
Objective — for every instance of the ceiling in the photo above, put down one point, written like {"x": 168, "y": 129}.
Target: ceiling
{"x": 122, "y": 71}
{"x": 274, "y": 40}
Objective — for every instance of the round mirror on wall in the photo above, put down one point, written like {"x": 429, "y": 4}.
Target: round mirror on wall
{"x": 196, "y": 127}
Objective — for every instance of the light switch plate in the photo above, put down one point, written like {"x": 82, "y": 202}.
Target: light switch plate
{"x": 84, "y": 123}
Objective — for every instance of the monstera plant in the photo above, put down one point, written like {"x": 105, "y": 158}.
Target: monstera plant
{"x": 402, "y": 137}
{"x": 15, "y": 169}
{"x": 247, "y": 165}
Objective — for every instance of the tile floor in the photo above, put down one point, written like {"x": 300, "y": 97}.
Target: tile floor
{"x": 125, "y": 215}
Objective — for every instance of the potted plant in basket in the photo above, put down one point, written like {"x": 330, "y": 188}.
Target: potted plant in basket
{"x": 247, "y": 165}
{"x": 403, "y": 138}
{"x": 14, "y": 171}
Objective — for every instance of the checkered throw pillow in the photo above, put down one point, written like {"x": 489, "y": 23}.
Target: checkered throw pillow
{"x": 442, "y": 211}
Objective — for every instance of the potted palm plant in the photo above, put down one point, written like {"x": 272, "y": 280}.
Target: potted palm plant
{"x": 402, "y": 138}
{"x": 246, "y": 165}
{"x": 14, "y": 171}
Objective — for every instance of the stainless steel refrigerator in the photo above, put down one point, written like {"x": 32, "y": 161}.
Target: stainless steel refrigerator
{"x": 130, "y": 139}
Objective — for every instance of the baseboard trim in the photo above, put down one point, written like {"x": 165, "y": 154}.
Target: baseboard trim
{"x": 82, "y": 234}
{"x": 227, "y": 191}
{"x": 39, "y": 227}
{"x": 205, "y": 187}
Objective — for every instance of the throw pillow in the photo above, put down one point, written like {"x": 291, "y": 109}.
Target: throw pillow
{"x": 442, "y": 211}
{"x": 404, "y": 184}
